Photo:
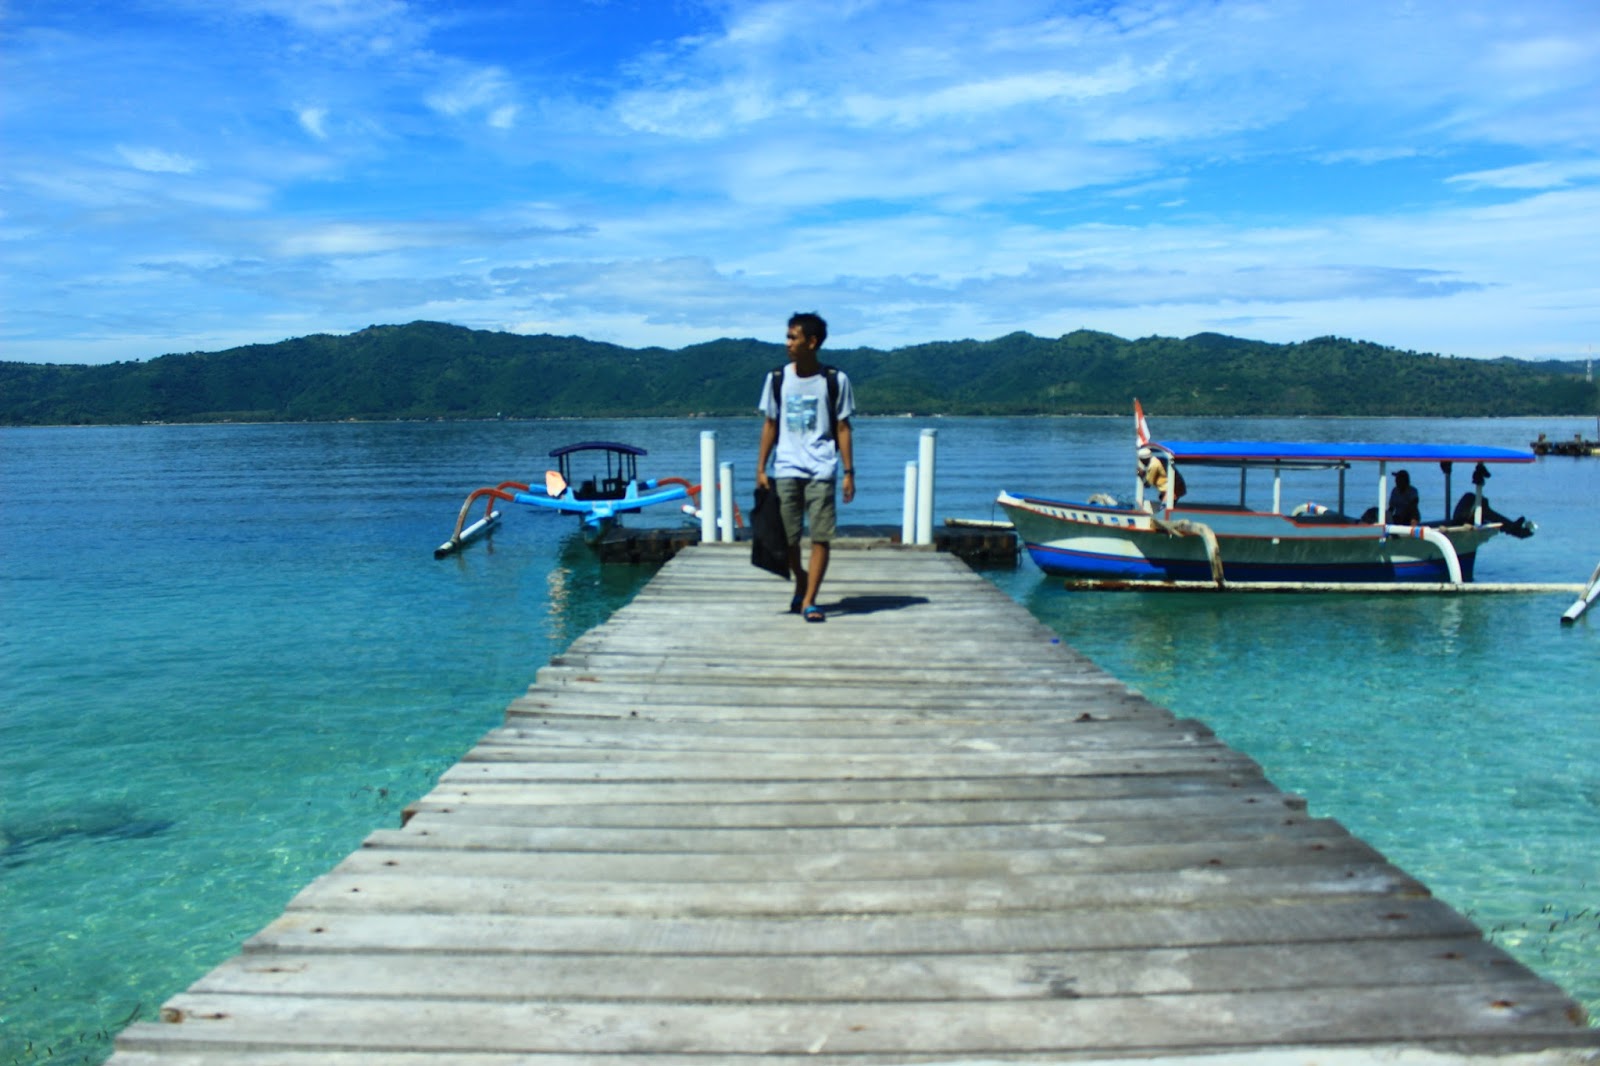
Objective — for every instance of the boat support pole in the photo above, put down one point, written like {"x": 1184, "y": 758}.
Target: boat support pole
{"x": 465, "y": 534}
{"x": 1452, "y": 561}
{"x": 1591, "y": 593}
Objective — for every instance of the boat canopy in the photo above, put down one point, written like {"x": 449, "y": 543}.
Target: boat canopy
{"x": 596, "y": 446}
{"x": 1297, "y": 454}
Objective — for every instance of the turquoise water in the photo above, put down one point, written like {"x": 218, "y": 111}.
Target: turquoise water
{"x": 226, "y": 655}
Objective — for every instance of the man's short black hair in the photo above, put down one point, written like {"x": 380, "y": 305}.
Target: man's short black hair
{"x": 812, "y": 327}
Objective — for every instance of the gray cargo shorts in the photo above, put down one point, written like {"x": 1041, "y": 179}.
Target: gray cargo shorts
{"x": 807, "y": 499}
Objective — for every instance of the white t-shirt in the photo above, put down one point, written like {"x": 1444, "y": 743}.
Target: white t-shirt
{"x": 806, "y": 446}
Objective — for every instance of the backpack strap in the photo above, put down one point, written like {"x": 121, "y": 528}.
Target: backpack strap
{"x": 832, "y": 374}
{"x": 777, "y": 390}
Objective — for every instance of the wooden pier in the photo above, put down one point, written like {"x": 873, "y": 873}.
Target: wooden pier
{"x": 924, "y": 831}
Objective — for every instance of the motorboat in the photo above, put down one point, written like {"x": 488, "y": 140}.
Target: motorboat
{"x": 596, "y": 480}
{"x": 1173, "y": 536}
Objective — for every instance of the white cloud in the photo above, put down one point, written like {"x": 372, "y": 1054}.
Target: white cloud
{"x": 1549, "y": 174}
{"x": 488, "y": 91}
{"x": 314, "y": 120}
{"x": 328, "y": 16}
{"x": 156, "y": 160}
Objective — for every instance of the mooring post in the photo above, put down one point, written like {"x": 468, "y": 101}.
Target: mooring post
{"x": 725, "y": 501}
{"x": 708, "y": 486}
{"x": 908, "y": 513}
{"x": 925, "y": 486}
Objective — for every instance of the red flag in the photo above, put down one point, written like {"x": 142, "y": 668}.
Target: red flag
{"x": 1141, "y": 428}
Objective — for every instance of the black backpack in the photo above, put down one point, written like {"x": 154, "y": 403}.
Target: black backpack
{"x": 831, "y": 373}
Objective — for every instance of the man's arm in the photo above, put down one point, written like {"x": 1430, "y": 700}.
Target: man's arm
{"x": 769, "y": 437}
{"x": 847, "y": 456}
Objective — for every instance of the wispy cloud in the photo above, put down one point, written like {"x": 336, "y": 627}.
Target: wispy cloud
{"x": 1424, "y": 175}
{"x": 156, "y": 161}
{"x": 487, "y": 91}
{"x": 1545, "y": 174}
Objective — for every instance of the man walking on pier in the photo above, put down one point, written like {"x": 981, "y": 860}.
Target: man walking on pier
{"x": 806, "y": 436}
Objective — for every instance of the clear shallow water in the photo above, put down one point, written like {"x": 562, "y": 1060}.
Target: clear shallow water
{"x": 226, "y": 655}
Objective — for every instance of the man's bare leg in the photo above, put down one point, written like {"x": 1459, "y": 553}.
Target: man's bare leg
{"x": 801, "y": 584}
{"x": 819, "y": 569}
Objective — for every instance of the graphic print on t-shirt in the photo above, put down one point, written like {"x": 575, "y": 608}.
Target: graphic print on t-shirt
{"x": 800, "y": 413}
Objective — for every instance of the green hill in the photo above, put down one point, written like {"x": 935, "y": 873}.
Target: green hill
{"x": 432, "y": 370}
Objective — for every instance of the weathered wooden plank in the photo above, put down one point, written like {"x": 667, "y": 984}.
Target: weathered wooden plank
{"x": 683, "y": 707}
{"x": 1340, "y": 919}
{"x": 814, "y": 738}
{"x": 678, "y": 708}
{"x": 857, "y": 815}
{"x": 430, "y": 829}
{"x": 749, "y": 762}
{"x": 419, "y": 893}
{"x": 1332, "y": 845}
{"x": 835, "y": 978}
{"x": 488, "y": 765}
{"x": 1148, "y": 1023}
{"x": 792, "y": 688}
{"x": 952, "y": 790}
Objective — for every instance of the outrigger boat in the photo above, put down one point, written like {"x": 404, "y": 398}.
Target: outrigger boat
{"x": 598, "y": 499}
{"x": 1170, "y": 538}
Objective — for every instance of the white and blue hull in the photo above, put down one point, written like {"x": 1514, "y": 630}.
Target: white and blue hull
{"x": 1118, "y": 543}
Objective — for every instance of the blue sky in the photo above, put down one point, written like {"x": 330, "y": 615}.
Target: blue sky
{"x": 189, "y": 175}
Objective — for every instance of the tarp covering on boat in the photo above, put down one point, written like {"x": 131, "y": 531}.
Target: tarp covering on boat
{"x": 1295, "y": 453}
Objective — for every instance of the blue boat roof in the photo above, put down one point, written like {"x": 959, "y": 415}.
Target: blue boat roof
{"x": 1266, "y": 452}
{"x": 597, "y": 446}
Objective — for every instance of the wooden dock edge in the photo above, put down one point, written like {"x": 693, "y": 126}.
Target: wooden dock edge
{"x": 977, "y": 546}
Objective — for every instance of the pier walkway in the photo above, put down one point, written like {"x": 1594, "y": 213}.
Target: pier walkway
{"x": 924, "y": 831}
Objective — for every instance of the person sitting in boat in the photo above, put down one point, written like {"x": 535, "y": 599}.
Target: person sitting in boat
{"x": 1154, "y": 473}
{"x": 1405, "y": 509}
{"x": 1463, "y": 515}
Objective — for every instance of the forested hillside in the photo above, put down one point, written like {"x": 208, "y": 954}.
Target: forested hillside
{"x": 432, "y": 370}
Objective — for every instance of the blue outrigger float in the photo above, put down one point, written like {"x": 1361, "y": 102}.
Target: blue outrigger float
{"x": 1171, "y": 539}
{"x": 598, "y": 499}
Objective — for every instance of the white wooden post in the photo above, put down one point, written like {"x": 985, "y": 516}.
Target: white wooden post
{"x": 925, "y": 486}
{"x": 908, "y": 516}
{"x": 708, "y": 486}
{"x": 725, "y": 502}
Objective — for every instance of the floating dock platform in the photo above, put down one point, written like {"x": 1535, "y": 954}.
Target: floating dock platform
{"x": 924, "y": 831}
